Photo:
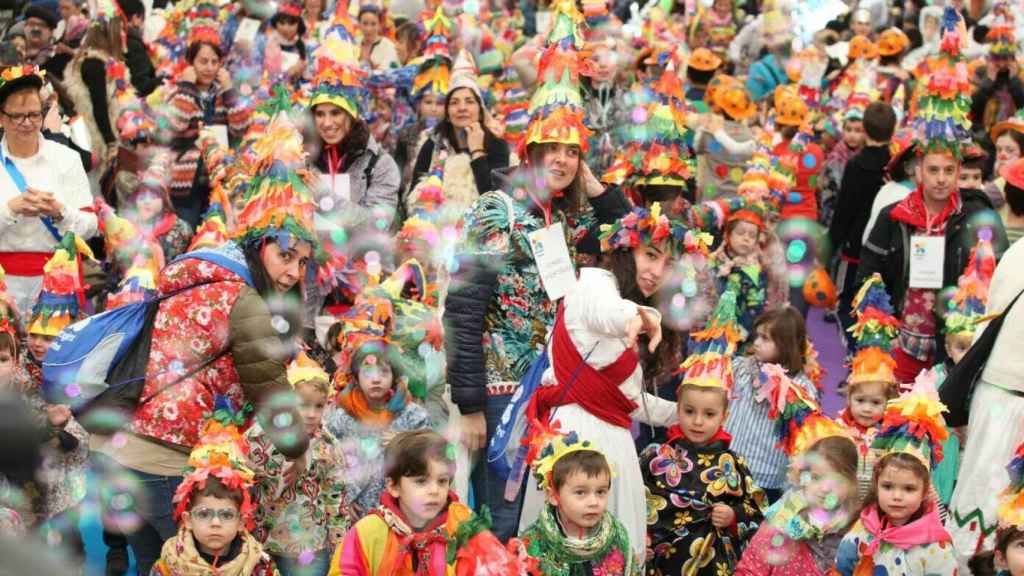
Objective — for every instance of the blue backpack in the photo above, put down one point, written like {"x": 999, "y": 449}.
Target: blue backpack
{"x": 102, "y": 360}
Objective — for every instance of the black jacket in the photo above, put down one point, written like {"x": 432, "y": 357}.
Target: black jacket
{"x": 469, "y": 298}
{"x": 136, "y": 57}
{"x": 862, "y": 179}
{"x": 886, "y": 251}
{"x": 987, "y": 90}
{"x": 496, "y": 158}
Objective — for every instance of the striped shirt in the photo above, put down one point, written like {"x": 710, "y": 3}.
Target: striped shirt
{"x": 754, "y": 435}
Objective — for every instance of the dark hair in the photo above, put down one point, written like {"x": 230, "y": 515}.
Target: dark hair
{"x": 447, "y": 130}
{"x": 722, "y": 392}
{"x": 984, "y": 563}
{"x": 701, "y": 77}
{"x": 132, "y": 8}
{"x": 788, "y": 132}
{"x": 409, "y": 454}
{"x": 260, "y": 278}
{"x": 787, "y": 330}
{"x": 214, "y": 488}
{"x": 664, "y": 193}
{"x": 890, "y": 60}
{"x": 409, "y": 33}
{"x": 353, "y": 144}
{"x": 574, "y": 198}
{"x": 1016, "y": 135}
{"x": 195, "y": 47}
{"x": 901, "y": 461}
{"x": 590, "y": 462}
{"x": 879, "y": 121}
{"x": 7, "y": 342}
{"x": 299, "y": 43}
{"x": 622, "y": 265}
{"x": 1014, "y": 198}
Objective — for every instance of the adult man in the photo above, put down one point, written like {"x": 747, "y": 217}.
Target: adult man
{"x": 921, "y": 244}
{"x": 39, "y": 49}
{"x": 43, "y": 189}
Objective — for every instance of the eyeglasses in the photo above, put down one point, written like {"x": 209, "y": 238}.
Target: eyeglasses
{"x": 206, "y": 515}
{"x": 20, "y": 118}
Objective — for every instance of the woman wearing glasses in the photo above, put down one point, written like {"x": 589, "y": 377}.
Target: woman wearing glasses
{"x": 43, "y": 187}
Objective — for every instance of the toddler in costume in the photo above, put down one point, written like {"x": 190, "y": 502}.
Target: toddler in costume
{"x": 575, "y": 534}
{"x": 214, "y": 510}
{"x": 702, "y": 500}
{"x": 899, "y": 532}
{"x": 1008, "y": 556}
{"x": 872, "y": 381}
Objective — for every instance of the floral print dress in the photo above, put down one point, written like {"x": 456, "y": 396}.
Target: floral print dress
{"x": 684, "y": 482}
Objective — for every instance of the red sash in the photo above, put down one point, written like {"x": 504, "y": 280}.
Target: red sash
{"x": 24, "y": 263}
{"x": 597, "y": 391}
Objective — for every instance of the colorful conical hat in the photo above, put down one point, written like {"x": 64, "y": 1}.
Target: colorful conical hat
{"x": 1011, "y": 501}
{"x": 874, "y": 331}
{"x": 913, "y": 423}
{"x": 967, "y": 307}
{"x": 63, "y": 294}
{"x": 711, "y": 349}
{"x": 339, "y": 78}
{"x": 940, "y": 120}
{"x": 1002, "y": 35}
{"x": 436, "y": 60}
{"x": 221, "y": 453}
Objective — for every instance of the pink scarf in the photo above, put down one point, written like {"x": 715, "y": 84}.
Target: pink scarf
{"x": 925, "y": 530}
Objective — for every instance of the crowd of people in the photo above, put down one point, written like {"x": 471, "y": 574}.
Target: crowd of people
{"x": 432, "y": 288}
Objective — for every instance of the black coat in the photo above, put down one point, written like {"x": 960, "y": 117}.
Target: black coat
{"x": 862, "y": 179}
{"x": 472, "y": 287}
{"x": 888, "y": 245}
{"x": 136, "y": 58}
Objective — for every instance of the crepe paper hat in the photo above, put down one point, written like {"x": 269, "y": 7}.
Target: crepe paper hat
{"x": 790, "y": 110}
{"x": 305, "y": 369}
{"x": 338, "y": 78}
{"x": 813, "y": 369}
{"x": 710, "y": 362}
{"x": 642, "y": 227}
{"x": 556, "y": 108}
{"x": 138, "y": 285}
{"x": 940, "y": 120}
{"x": 862, "y": 47}
{"x": 1015, "y": 123}
{"x": 548, "y": 445}
{"x": 63, "y": 292}
{"x": 967, "y": 307}
{"x": 892, "y": 42}
{"x": 464, "y": 75}
{"x": 435, "y": 63}
{"x": 1011, "y": 501}
{"x": 704, "y": 60}
{"x": 799, "y": 418}
{"x": 290, "y": 8}
{"x": 913, "y": 423}
{"x": 9, "y": 316}
{"x": 1013, "y": 173}
{"x": 1002, "y": 35}
{"x": 212, "y": 231}
{"x": 278, "y": 203}
{"x": 512, "y": 108}
{"x": 874, "y": 330}
{"x": 735, "y": 101}
{"x": 221, "y": 453}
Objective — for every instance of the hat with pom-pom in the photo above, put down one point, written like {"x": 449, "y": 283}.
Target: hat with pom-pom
{"x": 913, "y": 423}
{"x": 63, "y": 294}
{"x": 967, "y": 307}
{"x": 874, "y": 330}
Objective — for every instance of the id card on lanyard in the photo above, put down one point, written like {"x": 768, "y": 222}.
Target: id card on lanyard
{"x": 551, "y": 254}
{"x": 927, "y": 255}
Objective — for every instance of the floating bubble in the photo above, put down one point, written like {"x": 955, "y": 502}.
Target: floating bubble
{"x": 326, "y": 204}
{"x": 796, "y": 251}
{"x": 106, "y": 420}
{"x": 680, "y": 302}
{"x": 639, "y": 115}
{"x": 280, "y": 324}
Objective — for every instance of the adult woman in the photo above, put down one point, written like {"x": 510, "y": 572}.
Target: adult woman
{"x": 461, "y": 145}
{"x": 313, "y": 18}
{"x": 594, "y": 386}
{"x": 1008, "y": 141}
{"x": 376, "y": 52}
{"x": 216, "y": 326}
{"x": 203, "y": 95}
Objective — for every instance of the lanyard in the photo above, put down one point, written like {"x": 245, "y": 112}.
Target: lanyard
{"x": 544, "y": 206}
{"x": 19, "y": 181}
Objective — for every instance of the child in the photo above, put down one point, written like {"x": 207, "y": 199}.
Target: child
{"x": 420, "y": 527}
{"x": 575, "y": 533}
{"x": 373, "y": 404}
{"x": 723, "y": 142}
{"x": 213, "y": 509}
{"x": 722, "y": 24}
{"x": 301, "y": 511}
{"x": 149, "y": 207}
{"x": 286, "y": 31}
{"x": 899, "y": 532}
{"x": 811, "y": 517}
{"x": 1008, "y": 555}
{"x": 848, "y": 147}
{"x": 872, "y": 380}
{"x": 739, "y": 260}
{"x": 703, "y": 502}
{"x": 972, "y": 168}
{"x": 779, "y": 338}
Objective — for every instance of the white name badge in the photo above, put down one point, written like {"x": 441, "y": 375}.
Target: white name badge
{"x": 552, "y": 257}
{"x": 247, "y": 30}
{"x": 927, "y": 254}
{"x": 338, "y": 187}
{"x": 220, "y": 133}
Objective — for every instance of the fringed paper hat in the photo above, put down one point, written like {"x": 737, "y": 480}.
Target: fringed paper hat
{"x": 363, "y": 332}
{"x": 278, "y": 204}
{"x": 556, "y": 108}
{"x": 799, "y": 418}
{"x": 203, "y": 24}
{"x": 305, "y": 369}
{"x": 913, "y": 423}
{"x": 435, "y": 63}
{"x": 940, "y": 122}
{"x": 547, "y": 445}
{"x": 643, "y": 227}
{"x": 512, "y": 107}
{"x": 655, "y": 152}
{"x": 874, "y": 330}
{"x": 967, "y": 307}
{"x": 63, "y": 294}
{"x": 338, "y": 78}
{"x": 1002, "y": 36}
{"x": 139, "y": 283}
{"x": 212, "y": 231}
{"x": 1011, "y": 502}
{"x": 710, "y": 361}
{"x": 221, "y": 453}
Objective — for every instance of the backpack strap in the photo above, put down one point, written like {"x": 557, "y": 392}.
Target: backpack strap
{"x": 368, "y": 171}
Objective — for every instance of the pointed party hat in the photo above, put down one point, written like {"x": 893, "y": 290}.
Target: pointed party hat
{"x": 464, "y": 74}
{"x": 63, "y": 293}
{"x": 221, "y": 453}
{"x": 512, "y": 107}
{"x": 1002, "y": 36}
{"x": 874, "y": 330}
{"x": 913, "y": 423}
{"x": 967, "y": 307}
{"x": 1011, "y": 501}
{"x": 940, "y": 121}
{"x": 278, "y": 202}
{"x": 435, "y": 62}
{"x": 139, "y": 282}
{"x": 212, "y": 231}
{"x": 338, "y": 77}
{"x": 556, "y": 108}
{"x": 710, "y": 361}
{"x": 305, "y": 369}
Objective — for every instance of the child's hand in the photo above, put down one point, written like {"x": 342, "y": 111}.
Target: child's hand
{"x": 58, "y": 415}
{"x": 722, "y": 516}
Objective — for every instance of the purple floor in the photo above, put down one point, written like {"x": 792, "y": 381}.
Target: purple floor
{"x": 830, "y": 354}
